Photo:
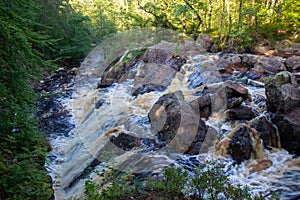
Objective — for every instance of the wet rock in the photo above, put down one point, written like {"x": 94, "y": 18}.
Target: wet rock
{"x": 244, "y": 143}
{"x": 234, "y": 102}
{"x": 262, "y": 66}
{"x": 128, "y": 142}
{"x": 234, "y": 89}
{"x": 260, "y": 165}
{"x": 177, "y": 124}
{"x": 289, "y": 128}
{"x": 202, "y": 105}
{"x": 293, "y": 63}
{"x": 57, "y": 82}
{"x": 159, "y": 53}
{"x": 176, "y": 62}
{"x": 165, "y": 116}
{"x": 205, "y": 41}
{"x": 114, "y": 73}
{"x": 152, "y": 77}
{"x": 240, "y": 146}
{"x": 229, "y": 61}
{"x": 190, "y": 48}
{"x": 255, "y": 74}
{"x": 240, "y": 113}
{"x": 266, "y": 131}
{"x": 165, "y": 53}
{"x": 196, "y": 79}
{"x": 283, "y": 93}
{"x": 269, "y": 65}
{"x": 99, "y": 103}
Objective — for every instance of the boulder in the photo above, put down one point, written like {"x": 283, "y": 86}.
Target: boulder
{"x": 266, "y": 131}
{"x": 293, "y": 63}
{"x": 127, "y": 142}
{"x": 152, "y": 77}
{"x": 240, "y": 113}
{"x": 289, "y": 129}
{"x": 234, "y": 89}
{"x": 205, "y": 41}
{"x": 177, "y": 124}
{"x": 240, "y": 147}
{"x": 165, "y": 53}
{"x": 114, "y": 73}
{"x": 202, "y": 105}
{"x": 244, "y": 144}
{"x": 283, "y": 93}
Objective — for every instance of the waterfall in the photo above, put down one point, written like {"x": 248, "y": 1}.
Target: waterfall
{"x": 139, "y": 126}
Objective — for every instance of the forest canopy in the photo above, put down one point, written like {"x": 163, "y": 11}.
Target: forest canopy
{"x": 41, "y": 35}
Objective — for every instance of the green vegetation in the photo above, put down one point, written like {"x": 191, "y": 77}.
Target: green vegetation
{"x": 208, "y": 182}
{"x": 39, "y": 35}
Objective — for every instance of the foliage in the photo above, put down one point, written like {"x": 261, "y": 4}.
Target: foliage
{"x": 175, "y": 180}
{"x": 207, "y": 182}
{"x": 210, "y": 181}
{"x": 23, "y": 148}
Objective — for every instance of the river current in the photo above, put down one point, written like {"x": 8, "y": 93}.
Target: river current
{"x": 97, "y": 114}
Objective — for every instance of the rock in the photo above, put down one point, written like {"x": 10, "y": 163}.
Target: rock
{"x": 293, "y": 63}
{"x": 190, "y": 48}
{"x": 152, "y": 77}
{"x": 240, "y": 113}
{"x": 283, "y": 93}
{"x": 196, "y": 79}
{"x": 196, "y": 145}
{"x": 234, "y": 89}
{"x": 266, "y": 131}
{"x": 240, "y": 147}
{"x": 205, "y": 41}
{"x": 244, "y": 143}
{"x": 255, "y": 74}
{"x": 289, "y": 129}
{"x": 202, "y": 105}
{"x": 165, "y": 116}
{"x": 177, "y": 124}
{"x": 127, "y": 142}
{"x": 269, "y": 65}
{"x": 229, "y": 61}
{"x": 114, "y": 73}
{"x": 234, "y": 102}
{"x": 165, "y": 53}
{"x": 99, "y": 103}
{"x": 288, "y": 47}
{"x": 261, "y": 165}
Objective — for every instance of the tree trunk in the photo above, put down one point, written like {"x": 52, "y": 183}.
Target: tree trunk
{"x": 184, "y": 23}
{"x": 210, "y": 10}
{"x": 222, "y": 22}
{"x": 240, "y": 25}
{"x": 198, "y": 17}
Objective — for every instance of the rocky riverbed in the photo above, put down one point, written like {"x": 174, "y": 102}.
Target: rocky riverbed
{"x": 174, "y": 103}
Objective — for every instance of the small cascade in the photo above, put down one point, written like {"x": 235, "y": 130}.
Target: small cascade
{"x": 167, "y": 107}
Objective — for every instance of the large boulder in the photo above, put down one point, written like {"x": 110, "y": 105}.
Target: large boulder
{"x": 205, "y": 41}
{"x": 289, "y": 129}
{"x": 266, "y": 131}
{"x": 283, "y": 99}
{"x": 177, "y": 124}
{"x": 293, "y": 63}
{"x": 152, "y": 77}
{"x": 244, "y": 144}
{"x": 283, "y": 93}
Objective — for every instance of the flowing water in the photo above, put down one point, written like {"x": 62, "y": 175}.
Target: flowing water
{"x": 99, "y": 114}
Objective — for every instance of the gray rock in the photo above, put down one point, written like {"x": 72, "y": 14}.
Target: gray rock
{"x": 283, "y": 93}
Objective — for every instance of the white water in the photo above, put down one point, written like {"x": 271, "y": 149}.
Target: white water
{"x": 122, "y": 113}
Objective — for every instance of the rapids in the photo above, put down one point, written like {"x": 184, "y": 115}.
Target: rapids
{"x": 99, "y": 114}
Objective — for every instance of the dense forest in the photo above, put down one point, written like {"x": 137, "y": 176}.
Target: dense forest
{"x": 42, "y": 35}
